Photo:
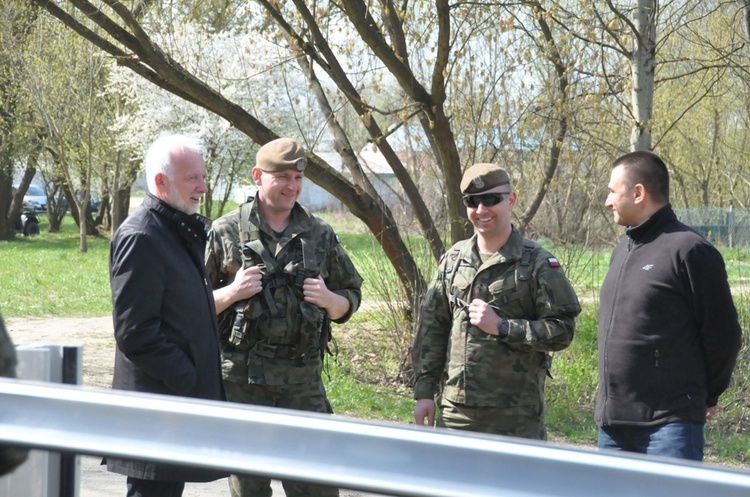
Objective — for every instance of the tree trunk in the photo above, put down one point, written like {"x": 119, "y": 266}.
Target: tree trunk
{"x": 642, "y": 66}
{"x": 14, "y": 202}
{"x": 327, "y": 60}
{"x": 120, "y": 206}
{"x": 75, "y": 205}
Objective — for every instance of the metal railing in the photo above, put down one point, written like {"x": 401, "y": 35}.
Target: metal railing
{"x": 374, "y": 457}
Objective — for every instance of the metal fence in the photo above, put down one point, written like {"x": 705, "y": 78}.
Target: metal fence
{"x": 721, "y": 226}
{"x": 374, "y": 457}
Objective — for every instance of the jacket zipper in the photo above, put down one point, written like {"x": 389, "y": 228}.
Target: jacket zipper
{"x": 609, "y": 328}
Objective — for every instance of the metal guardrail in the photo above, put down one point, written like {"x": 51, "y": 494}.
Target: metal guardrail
{"x": 45, "y": 473}
{"x": 374, "y": 457}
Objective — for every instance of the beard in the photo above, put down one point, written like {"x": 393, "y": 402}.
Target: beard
{"x": 182, "y": 205}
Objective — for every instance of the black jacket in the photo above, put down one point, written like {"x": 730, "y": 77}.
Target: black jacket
{"x": 668, "y": 329}
{"x": 164, "y": 317}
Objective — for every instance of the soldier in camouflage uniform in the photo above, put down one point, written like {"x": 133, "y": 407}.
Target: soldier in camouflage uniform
{"x": 497, "y": 306}
{"x": 280, "y": 276}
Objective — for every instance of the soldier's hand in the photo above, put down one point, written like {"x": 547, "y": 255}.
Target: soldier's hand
{"x": 424, "y": 410}
{"x": 483, "y": 316}
{"x": 315, "y": 291}
{"x": 247, "y": 283}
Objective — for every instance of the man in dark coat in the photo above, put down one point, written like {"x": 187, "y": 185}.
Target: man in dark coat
{"x": 163, "y": 307}
{"x": 668, "y": 329}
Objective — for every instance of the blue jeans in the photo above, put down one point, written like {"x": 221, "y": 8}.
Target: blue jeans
{"x": 683, "y": 440}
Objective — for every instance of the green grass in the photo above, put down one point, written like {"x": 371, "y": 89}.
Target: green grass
{"x": 571, "y": 393}
{"x": 731, "y": 449}
{"x": 365, "y": 400}
{"x": 47, "y": 275}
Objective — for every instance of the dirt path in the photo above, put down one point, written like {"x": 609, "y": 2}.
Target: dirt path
{"x": 95, "y": 335}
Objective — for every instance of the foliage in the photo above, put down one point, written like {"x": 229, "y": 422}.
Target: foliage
{"x": 382, "y": 355}
{"x": 243, "y": 67}
{"x": 73, "y": 117}
{"x": 571, "y": 393}
{"x": 16, "y": 124}
{"x": 545, "y": 88}
{"x": 352, "y": 397}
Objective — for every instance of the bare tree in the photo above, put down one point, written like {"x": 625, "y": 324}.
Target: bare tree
{"x": 133, "y": 48}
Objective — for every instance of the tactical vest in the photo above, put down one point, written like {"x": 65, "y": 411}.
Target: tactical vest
{"x": 277, "y": 323}
{"x": 523, "y": 279}
{"x": 524, "y": 288}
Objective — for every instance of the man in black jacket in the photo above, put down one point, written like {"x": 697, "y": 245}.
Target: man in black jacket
{"x": 668, "y": 329}
{"x": 163, "y": 307}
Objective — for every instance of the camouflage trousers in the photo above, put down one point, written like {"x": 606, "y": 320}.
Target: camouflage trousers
{"x": 303, "y": 397}
{"x": 494, "y": 420}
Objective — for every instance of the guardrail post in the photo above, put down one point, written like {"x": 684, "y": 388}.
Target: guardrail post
{"x": 47, "y": 474}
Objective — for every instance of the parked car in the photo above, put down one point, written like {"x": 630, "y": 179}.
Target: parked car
{"x": 35, "y": 199}
{"x": 93, "y": 201}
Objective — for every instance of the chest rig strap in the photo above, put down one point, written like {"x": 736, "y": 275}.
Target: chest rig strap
{"x": 278, "y": 325}
{"x": 522, "y": 276}
{"x": 451, "y": 267}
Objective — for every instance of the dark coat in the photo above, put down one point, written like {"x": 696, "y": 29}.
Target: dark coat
{"x": 164, "y": 318}
{"x": 668, "y": 329}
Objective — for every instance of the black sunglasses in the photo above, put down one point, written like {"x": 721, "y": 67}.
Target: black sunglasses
{"x": 486, "y": 199}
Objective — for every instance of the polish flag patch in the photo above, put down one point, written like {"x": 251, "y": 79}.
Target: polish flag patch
{"x": 553, "y": 262}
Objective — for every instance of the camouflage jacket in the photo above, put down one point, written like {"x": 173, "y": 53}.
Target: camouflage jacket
{"x": 248, "y": 362}
{"x": 478, "y": 369}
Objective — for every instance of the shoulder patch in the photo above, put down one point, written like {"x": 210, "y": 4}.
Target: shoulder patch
{"x": 338, "y": 240}
{"x": 553, "y": 262}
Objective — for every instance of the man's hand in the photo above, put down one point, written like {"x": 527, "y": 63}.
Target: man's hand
{"x": 713, "y": 411}
{"x": 247, "y": 283}
{"x": 483, "y": 316}
{"x": 425, "y": 409}
{"x": 317, "y": 293}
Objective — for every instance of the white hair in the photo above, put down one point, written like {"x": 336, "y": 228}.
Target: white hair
{"x": 159, "y": 155}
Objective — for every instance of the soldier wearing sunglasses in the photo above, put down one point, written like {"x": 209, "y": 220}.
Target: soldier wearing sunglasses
{"x": 498, "y": 305}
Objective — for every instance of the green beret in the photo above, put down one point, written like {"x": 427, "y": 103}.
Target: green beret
{"x": 281, "y": 154}
{"x": 482, "y": 177}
